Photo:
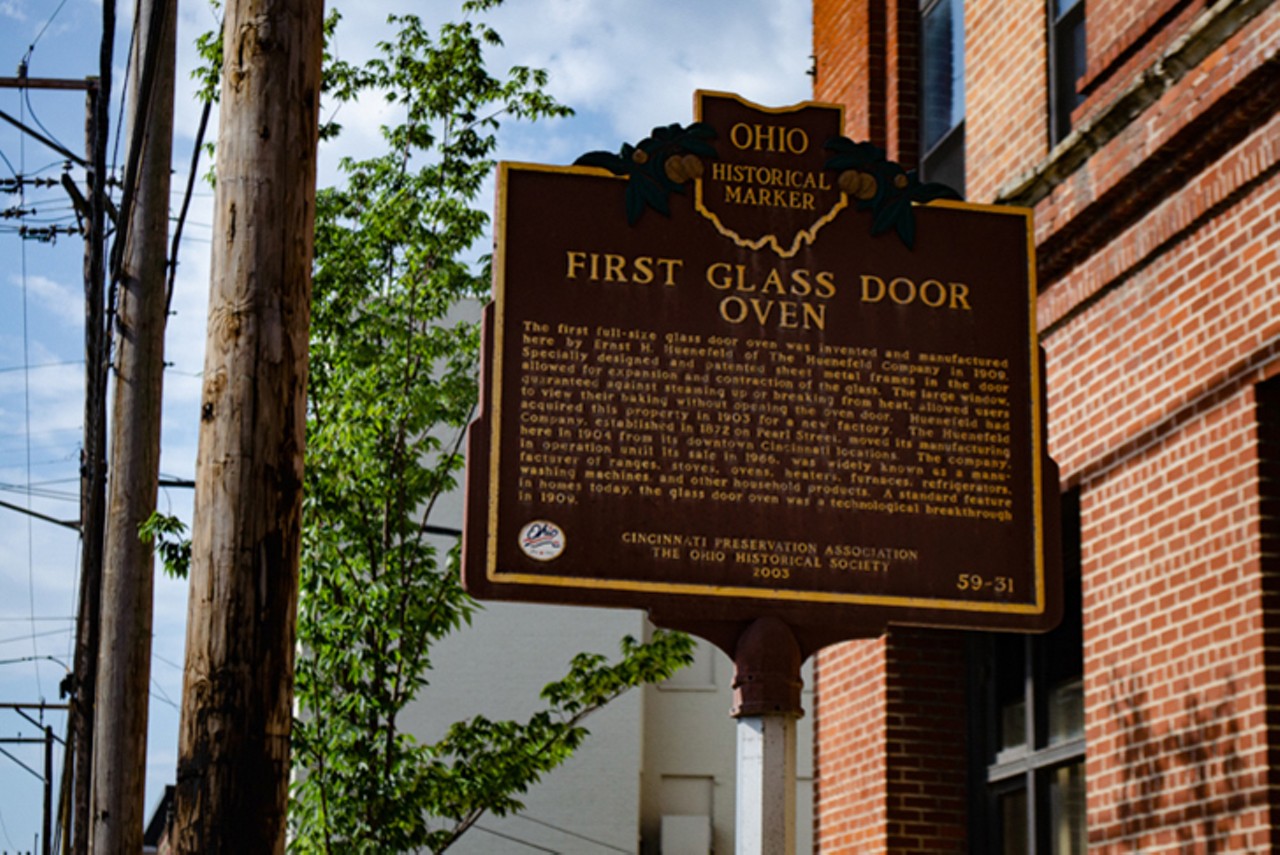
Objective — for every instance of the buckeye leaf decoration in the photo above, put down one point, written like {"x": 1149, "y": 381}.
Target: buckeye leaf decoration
{"x": 659, "y": 165}
{"x": 876, "y": 184}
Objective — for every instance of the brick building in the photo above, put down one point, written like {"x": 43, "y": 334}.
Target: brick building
{"x": 1145, "y": 136}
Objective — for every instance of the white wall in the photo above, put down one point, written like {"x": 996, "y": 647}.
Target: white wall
{"x": 690, "y": 753}
{"x": 496, "y": 668}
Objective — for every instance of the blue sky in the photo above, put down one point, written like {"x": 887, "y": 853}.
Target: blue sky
{"x": 624, "y": 66}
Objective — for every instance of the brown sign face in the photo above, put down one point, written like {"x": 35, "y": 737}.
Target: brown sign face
{"x": 751, "y": 404}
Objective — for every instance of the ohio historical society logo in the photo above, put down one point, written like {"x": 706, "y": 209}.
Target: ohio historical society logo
{"x": 542, "y": 540}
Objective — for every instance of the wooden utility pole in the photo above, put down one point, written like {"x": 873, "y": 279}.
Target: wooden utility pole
{"x": 93, "y": 478}
{"x": 237, "y": 698}
{"x": 124, "y": 655}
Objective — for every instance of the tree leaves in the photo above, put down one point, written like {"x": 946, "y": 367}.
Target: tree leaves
{"x": 392, "y": 388}
{"x": 168, "y": 535}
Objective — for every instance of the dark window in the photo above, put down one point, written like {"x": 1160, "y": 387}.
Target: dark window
{"x": 942, "y": 92}
{"x": 1066, "y": 64}
{"x": 1027, "y": 717}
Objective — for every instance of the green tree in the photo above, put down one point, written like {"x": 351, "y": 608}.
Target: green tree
{"x": 392, "y": 387}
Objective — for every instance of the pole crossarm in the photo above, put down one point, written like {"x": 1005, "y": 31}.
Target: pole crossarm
{"x": 85, "y": 85}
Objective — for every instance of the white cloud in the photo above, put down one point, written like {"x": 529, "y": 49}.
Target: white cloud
{"x": 66, "y": 303}
{"x": 9, "y": 9}
{"x": 639, "y": 65}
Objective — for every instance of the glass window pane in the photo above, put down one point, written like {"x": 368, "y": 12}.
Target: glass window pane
{"x": 1061, "y": 7}
{"x": 945, "y": 161}
{"x": 942, "y": 66}
{"x": 1013, "y": 725}
{"x": 1068, "y": 67}
{"x": 1066, "y": 711}
{"x": 1013, "y": 823}
{"x": 1011, "y": 692}
{"x": 1067, "y": 810}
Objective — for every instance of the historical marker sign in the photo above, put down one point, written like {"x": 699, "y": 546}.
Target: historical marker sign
{"x": 747, "y": 374}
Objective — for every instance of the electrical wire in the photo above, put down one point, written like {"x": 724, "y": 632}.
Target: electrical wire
{"x": 124, "y": 96}
{"x": 479, "y": 827}
{"x": 6, "y": 368}
{"x": 26, "y": 389}
{"x": 42, "y": 494}
{"x": 139, "y": 118}
{"x": 21, "y": 124}
{"x": 26, "y": 95}
{"x": 54, "y": 618}
{"x": 168, "y": 662}
{"x": 545, "y": 824}
{"x": 34, "y": 659}
{"x": 5, "y": 829}
{"x": 161, "y": 695}
{"x": 186, "y": 204}
{"x": 60, "y": 162}
{"x": 40, "y": 34}
{"x": 33, "y": 635}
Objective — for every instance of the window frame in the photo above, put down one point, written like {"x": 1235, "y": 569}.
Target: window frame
{"x": 944, "y": 159}
{"x": 1061, "y": 26}
{"x": 995, "y": 772}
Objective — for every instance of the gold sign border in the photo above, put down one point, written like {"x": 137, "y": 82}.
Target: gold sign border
{"x": 775, "y": 594}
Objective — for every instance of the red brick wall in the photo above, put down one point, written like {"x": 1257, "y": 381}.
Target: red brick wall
{"x": 926, "y": 801}
{"x": 1006, "y": 92}
{"x": 1123, "y": 37}
{"x": 890, "y": 720}
{"x": 865, "y": 56}
{"x": 848, "y": 65}
{"x": 850, "y": 770}
{"x": 1180, "y": 309}
{"x": 1151, "y": 389}
{"x": 902, "y": 82}
{"x": 1175, "y": 683}
{"x": 1160, "y": 314}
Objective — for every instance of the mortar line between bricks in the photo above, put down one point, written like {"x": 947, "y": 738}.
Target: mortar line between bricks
{"x": 1230, "y": 381}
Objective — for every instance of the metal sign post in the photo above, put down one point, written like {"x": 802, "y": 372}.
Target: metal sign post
{"x": 767, "y": 706}
{"x": 766, "y": 816}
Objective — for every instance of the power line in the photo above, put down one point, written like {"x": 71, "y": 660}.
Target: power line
{"x": 26, "y": 95}
{"x": 33, "y": 636}
{"x": 528, "y": 818}
{"x": 34, "y": 659}
{"x": 5, "y": 829}
{"x": 55, "y": 618}
{"x": 186, "y": 202}
{"x": 479, "y": 827}
{"x": 35, "y": 491}
{"x": 47, "y": 23}
{"x": 26, "y": 391}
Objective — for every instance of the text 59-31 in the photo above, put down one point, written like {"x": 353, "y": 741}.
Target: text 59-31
{"x": 976, "y": 583}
